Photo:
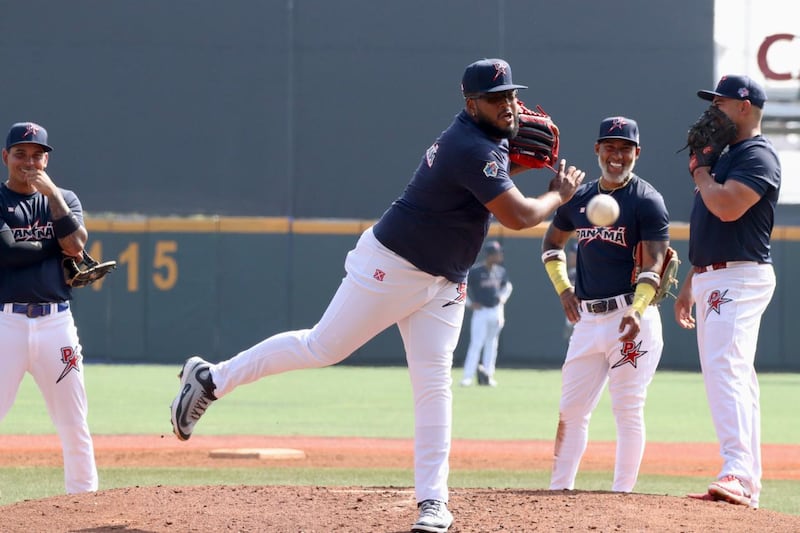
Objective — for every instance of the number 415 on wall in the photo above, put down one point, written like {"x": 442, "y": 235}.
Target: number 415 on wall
{"x": 165, "y": 266}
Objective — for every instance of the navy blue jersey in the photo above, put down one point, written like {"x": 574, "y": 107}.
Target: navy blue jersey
{"x": 27, "y": 217}
{"x": 485, "y": 285}
{"x": 605, "y": 255}
{"x": 439, "y": 223}
{"x": 755, "y": 163}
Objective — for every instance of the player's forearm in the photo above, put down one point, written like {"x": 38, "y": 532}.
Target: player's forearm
{"x": 725, "y": 204}
{"x": 24, "y": 253}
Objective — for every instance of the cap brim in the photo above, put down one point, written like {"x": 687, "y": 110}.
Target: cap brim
{"x": 617, "y": 137}
{"x": 501, "y": 88}
{"x": 46, "y": 147}
{"x": 707, "y": 95}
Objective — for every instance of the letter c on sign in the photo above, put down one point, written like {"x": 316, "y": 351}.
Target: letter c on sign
{"x": 762, "y": 56}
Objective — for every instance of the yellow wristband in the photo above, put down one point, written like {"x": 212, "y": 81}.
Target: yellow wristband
{"x": 643, "y": 296}
{"x": 557, "y": 271}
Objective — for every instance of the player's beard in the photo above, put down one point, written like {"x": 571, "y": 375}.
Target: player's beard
{"x": 615, "y": 176}
{"x": 490, "y": 129}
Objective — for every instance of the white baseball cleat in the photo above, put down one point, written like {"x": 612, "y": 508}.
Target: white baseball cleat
{"x": 197, "y": 393}
{"x": 730, "y": 489}
{"x": 433, "y": 517}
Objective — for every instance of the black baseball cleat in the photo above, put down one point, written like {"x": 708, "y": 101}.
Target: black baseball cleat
{"x": 483, "y": 377}
{"x": 197, "y": 393}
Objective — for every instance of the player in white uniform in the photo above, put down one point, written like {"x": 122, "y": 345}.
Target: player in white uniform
{"x": 488, "y": 290}
{"x": 732, "y": 282}
{"x": 39, "y": 223}
{"x": 617, "y": 336}
{"x": 409, "y": 269}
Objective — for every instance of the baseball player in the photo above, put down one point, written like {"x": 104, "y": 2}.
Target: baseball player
{"x": 409, "y": 269}
{"x": 617, "y": 335}
{"x": 732, "y": 281}
{"x": 488, "y": 290}
{"x": 39, "y": 224}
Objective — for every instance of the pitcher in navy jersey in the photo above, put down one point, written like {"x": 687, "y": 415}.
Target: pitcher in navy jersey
{"x": 39, "y": 224}
{"x": 617, "y": 335}
{"x": 410, "y": 269}
{"x": 731, "y": 282}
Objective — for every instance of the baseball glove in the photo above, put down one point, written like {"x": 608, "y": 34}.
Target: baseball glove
{"x": 708, "y": 137}
{"x": 83, "y": 272}
{"x": 536, "y": 144}
{"x": 669, "y": 273}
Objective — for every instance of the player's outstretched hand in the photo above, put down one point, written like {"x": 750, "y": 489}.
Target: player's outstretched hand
{"x": 566, "y": 181}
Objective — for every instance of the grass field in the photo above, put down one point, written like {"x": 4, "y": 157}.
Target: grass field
{"x": 376, "y": 402}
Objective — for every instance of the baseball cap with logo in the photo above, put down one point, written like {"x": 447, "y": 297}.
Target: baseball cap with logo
{"x": 27, "y": 132}
{"x": 738, "y": 88}
{"x": 619, "y": 128}
{"x": 488, "y": 76}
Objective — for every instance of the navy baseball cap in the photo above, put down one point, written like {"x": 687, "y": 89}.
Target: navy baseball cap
{"x": 27, "y": 132}
{"x": 619, "y": 128}
{"x": 492, "y": 247}
{"x": 738, "y": 88}
{"x": 488, "y": 76}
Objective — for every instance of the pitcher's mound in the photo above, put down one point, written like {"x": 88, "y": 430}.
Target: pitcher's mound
{"x": 257, "y": 453}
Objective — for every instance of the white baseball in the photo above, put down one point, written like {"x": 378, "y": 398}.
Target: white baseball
{"x": 602, "y": 210}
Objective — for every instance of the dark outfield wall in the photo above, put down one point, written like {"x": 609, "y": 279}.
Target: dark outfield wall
{"x": 217, "y": 286}
{"x": 307, "y": 109}
{"x": 320, "y": 108}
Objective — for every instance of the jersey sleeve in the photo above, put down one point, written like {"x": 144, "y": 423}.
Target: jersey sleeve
{"x": 653, "y": 216}
{"x": 758, "y": 170}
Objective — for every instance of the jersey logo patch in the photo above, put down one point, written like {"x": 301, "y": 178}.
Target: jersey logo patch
{"x": 631, "y": 352}
{"x": 34, "y": 232}
{"x": 715, "y": 301}
{"x": 606, "y": 234}
{"x": 491, "y": 169}
{"x": 430, "y": 154}
{"x": 379, "y": 274}
{"x": 461, "y": 289}
{"x": 70, "y": 358}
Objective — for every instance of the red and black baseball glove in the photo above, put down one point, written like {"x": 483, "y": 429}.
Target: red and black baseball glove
{"x": 536, "y": 144}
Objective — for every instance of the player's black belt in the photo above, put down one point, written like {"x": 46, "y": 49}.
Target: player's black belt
{"x": 36, "y": 310}
{"x": 606, "y": 305}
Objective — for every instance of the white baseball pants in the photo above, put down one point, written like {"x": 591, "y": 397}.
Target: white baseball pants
{"x": 485, "y": 327}
{"x": 595, "y": 357}
{"x": 729, "y": 304}
{"x": 48, "y": 348}
{"x": 379, "y": 289}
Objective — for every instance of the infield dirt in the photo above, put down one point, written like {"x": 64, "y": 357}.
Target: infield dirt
{"x": 378, "y": 509}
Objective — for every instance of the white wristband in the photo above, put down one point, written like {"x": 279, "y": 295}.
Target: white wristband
{"x": 652, "y": 276}
{"x": 559, "y": 255}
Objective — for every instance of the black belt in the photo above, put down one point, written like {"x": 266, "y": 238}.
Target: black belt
{"x": 37, "y": 310}
{"x": 606, "y": 305}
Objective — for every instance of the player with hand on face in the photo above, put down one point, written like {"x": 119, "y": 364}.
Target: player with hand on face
{"x": 40, "y": 223}
{"x": 617, "y": 335}
{"x": 410, "y": 269}
{"x": 732, "y": 281}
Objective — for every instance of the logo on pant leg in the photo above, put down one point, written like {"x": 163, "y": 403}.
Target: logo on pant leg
{"x": 630, "y": 353}
{"x": 715, "y": 301}
{"x": 71, "y": 359}
{"x": 461, "y": 289}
